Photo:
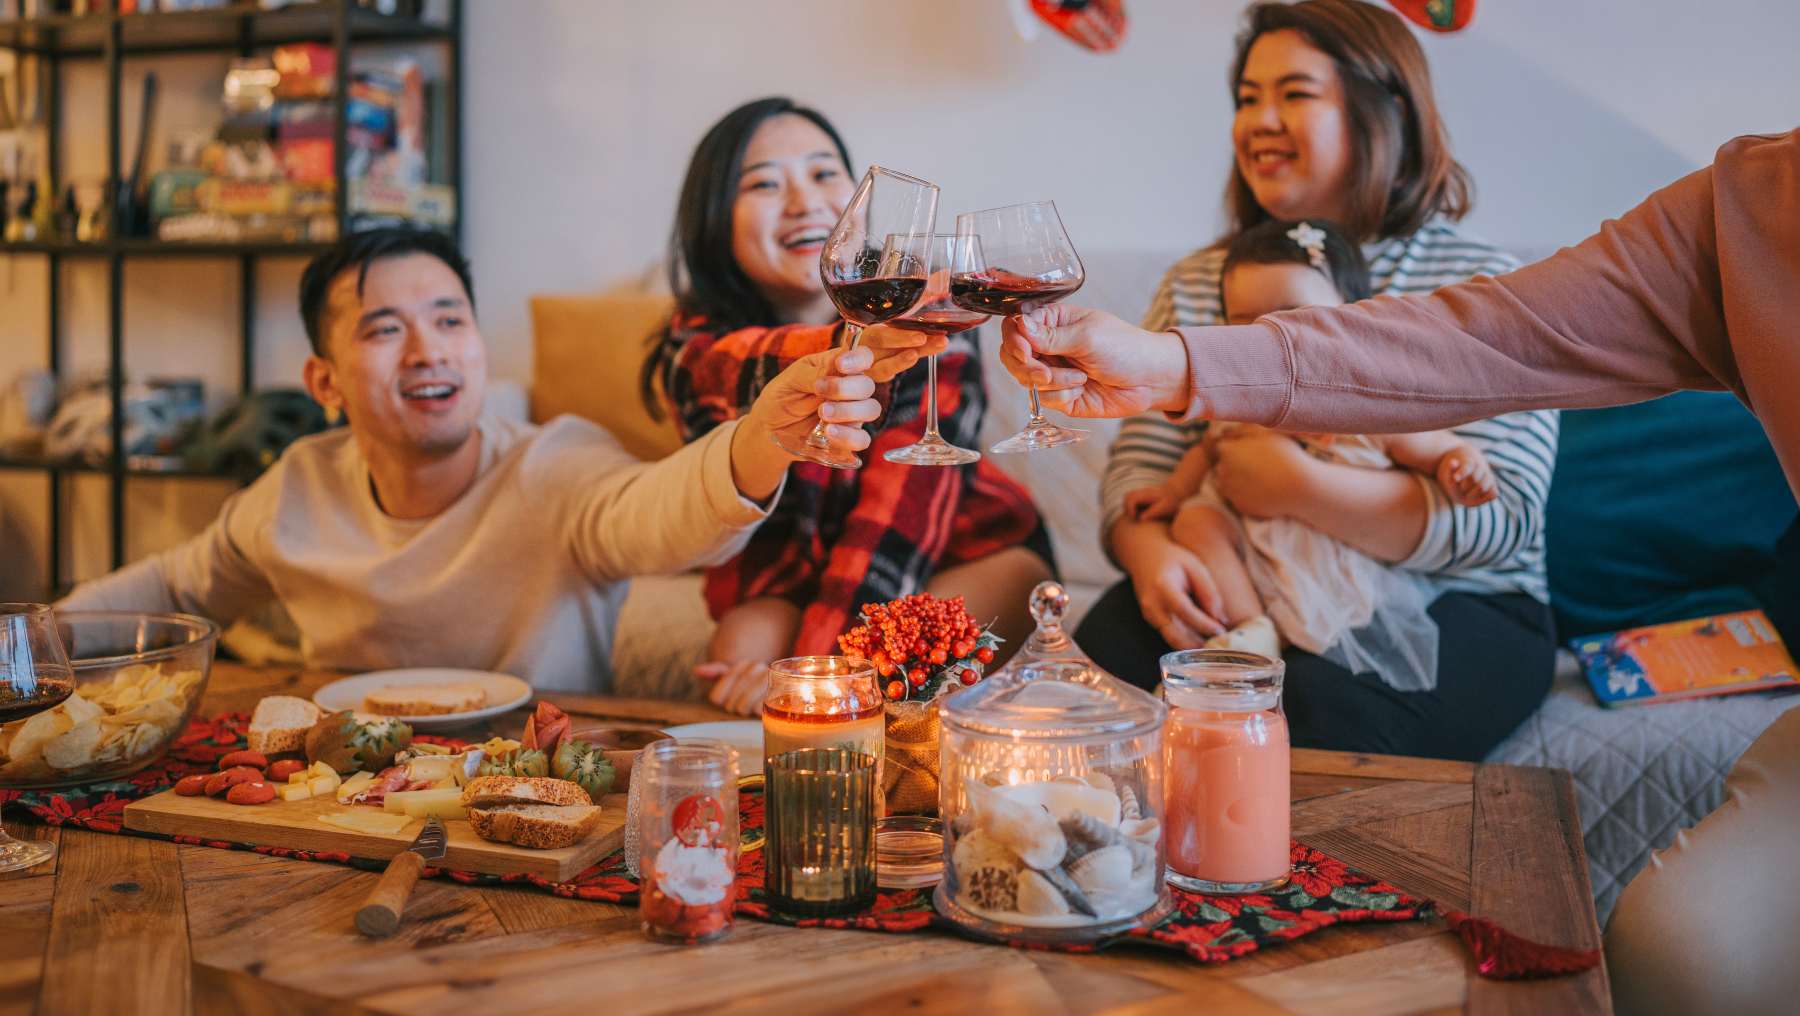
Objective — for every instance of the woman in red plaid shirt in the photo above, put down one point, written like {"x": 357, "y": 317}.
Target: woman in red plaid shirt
{"x": 764, "y": 188}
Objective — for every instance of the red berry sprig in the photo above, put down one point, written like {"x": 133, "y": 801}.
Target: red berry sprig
{"x": 919, "y": 642}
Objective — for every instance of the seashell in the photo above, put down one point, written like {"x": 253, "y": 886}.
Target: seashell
{"x": 1144, "y": 830}
{"x": 1143, "y": 859}
{"x": 1038, "y": 897}
{"x": 1106, "y": 870}
{"x": 1085, "y": 832}
{"x": 1062, "y": 799}
{"x": 1070, "y": 891}
{"x": 1129, "y": 810}
{"x": 1025, "y": 829}
{"x": 1099, "y": 781}
{"x": 986, "y": 872}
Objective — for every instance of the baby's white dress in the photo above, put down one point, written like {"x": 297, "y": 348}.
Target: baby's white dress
{"x": 1329, "y": 598}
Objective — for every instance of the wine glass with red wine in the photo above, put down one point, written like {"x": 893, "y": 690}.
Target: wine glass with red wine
{"x": 867, "y": 288}
{"x": 34, "y": 676}
{"x": 937, "y": 315}
{"x": 1010, "y": 261}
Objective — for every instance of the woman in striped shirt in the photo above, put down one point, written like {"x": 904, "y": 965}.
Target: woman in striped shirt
{"x": 1336, "y": 120}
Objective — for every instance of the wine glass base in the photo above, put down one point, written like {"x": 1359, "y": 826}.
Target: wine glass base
{"x": 824, "y": 455}
{"x": 16, "y": 854}
{"x": 933, "y": 452}
{"x": 1037, "y": 437}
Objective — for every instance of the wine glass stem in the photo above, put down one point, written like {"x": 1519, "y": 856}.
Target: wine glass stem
{"x": 931, "y": 406}
{"x": 852, "y": 335}
{"x": 1037, "y": 409}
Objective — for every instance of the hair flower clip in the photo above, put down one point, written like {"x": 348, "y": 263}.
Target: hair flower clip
{"x": 1310, "y": 239}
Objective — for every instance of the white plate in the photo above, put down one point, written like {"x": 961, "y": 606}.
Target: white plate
{"x": 504, "y": 692}
{"x": 744, "y": 735}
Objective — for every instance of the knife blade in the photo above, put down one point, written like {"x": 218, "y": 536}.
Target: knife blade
{"x": 380, "y": 913}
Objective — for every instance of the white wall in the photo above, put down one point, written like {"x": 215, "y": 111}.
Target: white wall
{"x": 584, "y": 114}
{"x": 581, "y": 115}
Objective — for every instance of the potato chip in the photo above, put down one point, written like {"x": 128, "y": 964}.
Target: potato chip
{"x": 80, "y": 710}
{"x": 27, "y": 744}
{"x": 73, "y": 749}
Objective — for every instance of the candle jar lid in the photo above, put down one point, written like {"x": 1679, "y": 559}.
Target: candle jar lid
{"x": 1223, "y": 680}
{"x": 1054, "y": 700}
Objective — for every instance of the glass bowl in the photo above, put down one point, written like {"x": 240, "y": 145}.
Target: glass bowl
{"x": 138, "y": 678}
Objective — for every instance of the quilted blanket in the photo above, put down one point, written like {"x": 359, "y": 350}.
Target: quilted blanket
{"x": 1642, "y": 773}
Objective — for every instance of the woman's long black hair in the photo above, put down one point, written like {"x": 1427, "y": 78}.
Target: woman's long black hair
{"x": 703, "y": 271}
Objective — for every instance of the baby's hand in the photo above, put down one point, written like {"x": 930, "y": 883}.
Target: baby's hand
{"x": 1150, "y": 503}
{"x": 1465, "y": 475}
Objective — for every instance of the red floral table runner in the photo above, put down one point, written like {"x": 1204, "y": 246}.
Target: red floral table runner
{"x": 1211, "y": 929}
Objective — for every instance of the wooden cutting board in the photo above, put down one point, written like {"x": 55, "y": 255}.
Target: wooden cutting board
{"x": 296, "y": 825}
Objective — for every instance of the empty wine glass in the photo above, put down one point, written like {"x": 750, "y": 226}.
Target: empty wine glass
{"x": 937, "y": 315}
{"x": 34, "y": 676}
{"x": 867, "y": 288}
{"x": 1010, "y": 261}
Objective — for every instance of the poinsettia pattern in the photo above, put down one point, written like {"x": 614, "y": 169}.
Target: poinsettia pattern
{"x": 1210, "y": 929}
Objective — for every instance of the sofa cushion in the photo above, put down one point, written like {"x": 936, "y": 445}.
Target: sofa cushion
{"x": 1661, "y": 511}
{"x": 586, "y": 355}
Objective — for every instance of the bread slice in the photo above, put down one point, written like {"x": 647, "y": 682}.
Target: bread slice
{"x": 280, "y": 723}
{"x": 425, "y": 699}
{"x": 486, "y": 791}
{"x": 535, "y": 826}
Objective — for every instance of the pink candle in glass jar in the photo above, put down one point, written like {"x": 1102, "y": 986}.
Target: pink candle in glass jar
{"x": 1226, "y": 821}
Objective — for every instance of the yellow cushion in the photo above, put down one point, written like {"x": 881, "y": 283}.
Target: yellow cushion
{"x": 588, "y": 352}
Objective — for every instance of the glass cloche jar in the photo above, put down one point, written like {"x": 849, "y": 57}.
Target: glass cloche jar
{"x": 1052, "y": 799}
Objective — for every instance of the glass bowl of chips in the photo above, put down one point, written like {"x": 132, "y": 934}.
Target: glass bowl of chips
{"x": 138, "y": 678}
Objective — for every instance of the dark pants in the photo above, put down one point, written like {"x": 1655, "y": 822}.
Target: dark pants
{"x": 1495, "y": 659}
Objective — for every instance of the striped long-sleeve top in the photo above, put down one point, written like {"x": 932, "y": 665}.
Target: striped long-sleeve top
{"x": 1494, "y": 548}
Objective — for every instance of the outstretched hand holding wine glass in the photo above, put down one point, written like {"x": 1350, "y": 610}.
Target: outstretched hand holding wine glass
{"x": 868, "y": 287}
{"x": 1012, "y": 261}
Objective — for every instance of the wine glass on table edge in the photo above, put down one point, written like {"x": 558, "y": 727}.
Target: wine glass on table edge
{"x": 34, "y": 676}
{"x": 937, "y": 315}
{"x": 866, "y": 289}
{"x": 1010, "y": 261}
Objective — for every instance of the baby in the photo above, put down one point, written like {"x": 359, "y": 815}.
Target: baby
{"x": 1282, "y": 576}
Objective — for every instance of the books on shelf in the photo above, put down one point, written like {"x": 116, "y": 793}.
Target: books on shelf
{"x": 1718, "y": 655}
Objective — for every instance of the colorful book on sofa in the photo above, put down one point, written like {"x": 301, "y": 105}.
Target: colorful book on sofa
{"x": 1718, "y": 655}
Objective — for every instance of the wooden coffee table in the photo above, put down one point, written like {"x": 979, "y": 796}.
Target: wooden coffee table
{"x": 124, "y": 924}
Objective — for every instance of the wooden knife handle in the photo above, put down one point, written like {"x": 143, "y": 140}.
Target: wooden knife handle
{"x": 380, "y": 913}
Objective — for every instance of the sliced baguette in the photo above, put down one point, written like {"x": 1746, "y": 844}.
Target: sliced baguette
{"x": 487, "y": 791}
{"x": 534, "y": 826}
{"x": 280, "y": 723}
{"x": 425, "y": 699}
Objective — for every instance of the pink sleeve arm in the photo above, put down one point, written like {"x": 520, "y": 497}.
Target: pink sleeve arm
{"x": 1631, "y": 313}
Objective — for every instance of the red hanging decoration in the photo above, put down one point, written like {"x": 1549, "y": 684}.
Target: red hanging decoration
{"x": 1098, "y": 25}
{"x": 1503, "y": 956}
{"x": 1437, "y": 15}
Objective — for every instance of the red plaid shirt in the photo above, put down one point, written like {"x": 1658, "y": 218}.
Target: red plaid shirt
{"x": 839, "y": 538}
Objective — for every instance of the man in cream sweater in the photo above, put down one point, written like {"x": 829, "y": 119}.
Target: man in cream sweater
{"x": 428, "y": 534}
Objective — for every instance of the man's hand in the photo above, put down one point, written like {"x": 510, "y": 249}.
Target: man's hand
{"x": 832, "y": 386}
{"x": 1089, "y": 363}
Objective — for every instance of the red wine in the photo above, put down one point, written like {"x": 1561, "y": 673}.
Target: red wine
{"x": 46, "y": 693}
{"x": 1004, "y": 293}
{"x": 940, "y": 317}
{"x": 872, "y": 301}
